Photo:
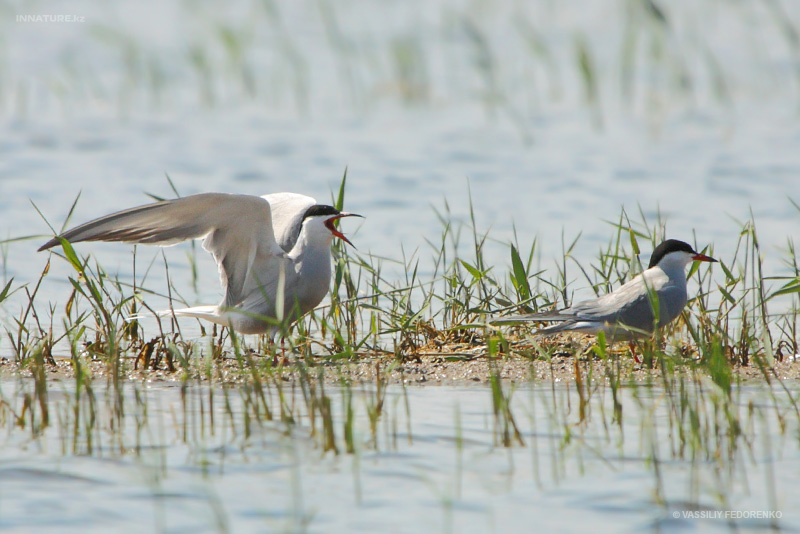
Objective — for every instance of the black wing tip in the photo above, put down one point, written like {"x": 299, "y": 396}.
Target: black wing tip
{"x": 502, "y": 321}
{"x": 530, "y": 318}
{"x": 50, "y": 244}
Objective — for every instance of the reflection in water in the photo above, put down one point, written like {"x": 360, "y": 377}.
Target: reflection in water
{"x": 437, "y": 466}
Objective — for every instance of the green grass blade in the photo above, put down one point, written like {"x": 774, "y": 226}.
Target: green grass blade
{"x": 520, "y": 276}
{"x": 339, "y": 204}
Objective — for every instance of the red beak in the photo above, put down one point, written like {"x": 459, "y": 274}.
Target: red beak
{"x": 330, "y": 224}
{"x": 703, "y": 257}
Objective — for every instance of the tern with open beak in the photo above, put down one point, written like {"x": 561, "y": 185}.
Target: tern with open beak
{"x": 264, "y": 247}
{"x": 628, "y": 311}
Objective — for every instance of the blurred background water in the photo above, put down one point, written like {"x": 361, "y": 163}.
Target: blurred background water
{"x": 553, "y": 116}
{"x": 549, "y": 117}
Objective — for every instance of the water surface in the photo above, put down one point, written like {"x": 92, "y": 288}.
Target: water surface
{"x": 435, "y": 467}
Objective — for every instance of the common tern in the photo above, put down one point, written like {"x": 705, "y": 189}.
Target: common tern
{"x": 627, "y": 312}
{"x": 267, "y": 246}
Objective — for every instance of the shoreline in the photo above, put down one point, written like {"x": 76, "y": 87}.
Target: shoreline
{"x": 458, "y": 364}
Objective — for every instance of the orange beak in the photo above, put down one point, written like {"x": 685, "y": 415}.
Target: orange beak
{"x": 330, "y": 224}
{"x": 703, "y": 257}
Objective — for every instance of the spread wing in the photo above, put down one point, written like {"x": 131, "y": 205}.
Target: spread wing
{"x": 237, "y": 230}
{"x": 287, "y": 216}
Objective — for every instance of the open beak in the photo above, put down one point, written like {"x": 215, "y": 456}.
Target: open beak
{"x": 330, "y": 224}
{"x": 703, "y": 257}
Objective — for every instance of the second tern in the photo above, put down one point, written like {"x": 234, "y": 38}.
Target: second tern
{"x": 628, "y": 311}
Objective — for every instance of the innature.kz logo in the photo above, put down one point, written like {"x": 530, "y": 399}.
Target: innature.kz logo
{"x": 51, "y": 18}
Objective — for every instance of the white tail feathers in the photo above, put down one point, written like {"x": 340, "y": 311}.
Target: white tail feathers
{"x": 208, "y": 313}
{"x": 242, "y": 322}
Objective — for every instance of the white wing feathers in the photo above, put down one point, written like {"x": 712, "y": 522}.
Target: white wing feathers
{"x": 237, "y": 228}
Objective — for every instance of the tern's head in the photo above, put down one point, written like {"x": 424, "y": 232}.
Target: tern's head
{"x": 676, "y": 252}
{"x": 320, "y": 220}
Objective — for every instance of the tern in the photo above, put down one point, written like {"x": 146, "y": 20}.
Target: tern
{"x": 628, "y": 311}
{"x": 265, "y": 247}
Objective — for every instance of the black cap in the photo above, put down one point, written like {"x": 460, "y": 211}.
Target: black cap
{"x": 670, "y": 245}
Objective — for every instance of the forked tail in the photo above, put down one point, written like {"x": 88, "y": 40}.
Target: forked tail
{"x": 208, "y": 313}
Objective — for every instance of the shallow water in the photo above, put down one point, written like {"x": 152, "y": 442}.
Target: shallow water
{"x": 437, "y": 467}
{"x": 431, "y": 106}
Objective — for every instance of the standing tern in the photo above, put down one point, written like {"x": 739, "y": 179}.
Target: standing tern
{"x": 264, "y": 247}
{"x": 628, "y": 311}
